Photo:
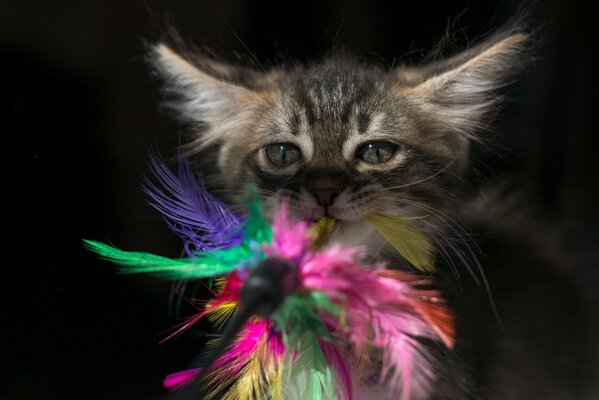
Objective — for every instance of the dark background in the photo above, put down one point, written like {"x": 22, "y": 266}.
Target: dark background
{"x": 80, "y": 111}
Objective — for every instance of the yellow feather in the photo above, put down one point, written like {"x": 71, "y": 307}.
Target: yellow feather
{"x": 260, "y": 379}
{"x": 321, "y": 232}
{"x": 277, "y": 382}
{"x": 405, "y": 236}
{"x": 219, "y": 284}
{"x": 222, "y": 313}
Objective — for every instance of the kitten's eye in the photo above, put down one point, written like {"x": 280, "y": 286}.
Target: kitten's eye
{"x": 376, "y": 152}
{"x": 282, "y": 154}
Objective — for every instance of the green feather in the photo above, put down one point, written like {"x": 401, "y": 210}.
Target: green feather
{"x": 256, "y": 228}
{"x": 202, "y": 264}
{"x": 205, "y": 265}
{"x": 312, "y": 372}
{"x": 299, "y": 314}
{"x": 309, "y": 375}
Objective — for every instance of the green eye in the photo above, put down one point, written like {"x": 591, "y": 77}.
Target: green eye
{"x": 376, "y": 152}
{"x": 282, "y": 154}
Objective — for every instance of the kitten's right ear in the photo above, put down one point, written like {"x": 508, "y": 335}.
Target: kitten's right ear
{"x": 200, "y": 99}
{"x": 459, "y": 94}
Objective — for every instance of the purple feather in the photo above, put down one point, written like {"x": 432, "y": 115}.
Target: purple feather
{"x": 200, "y": 219}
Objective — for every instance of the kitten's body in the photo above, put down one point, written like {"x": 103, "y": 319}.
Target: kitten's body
{"x": 540, "y": 342}
{"x": 344, "y": 139}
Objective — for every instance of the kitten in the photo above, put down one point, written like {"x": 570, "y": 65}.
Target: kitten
{"x": 346, "y": 139}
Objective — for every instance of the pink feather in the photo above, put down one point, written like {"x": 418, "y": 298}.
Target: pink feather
{"x": 179, "y": 379}
{"x": 231, "y": 362}
{"x": 383, "y": 309}
{"x": 242, "y": 349}
{"x": 290, "y": 240}
{"x": 338, "y": 360}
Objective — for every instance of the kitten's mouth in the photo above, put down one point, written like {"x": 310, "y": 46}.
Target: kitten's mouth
{"x": 337, "y": 222}
{"x": 317, "y": 220}
{"x": 349, "y": 233}
{"x": 334, "y": 222}
{"x": 337, "y": 225}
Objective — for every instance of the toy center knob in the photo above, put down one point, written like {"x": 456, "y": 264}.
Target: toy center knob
{"x": 268, "y": 285}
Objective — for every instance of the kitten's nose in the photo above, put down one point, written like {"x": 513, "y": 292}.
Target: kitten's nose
{"x": 325, "y": 191}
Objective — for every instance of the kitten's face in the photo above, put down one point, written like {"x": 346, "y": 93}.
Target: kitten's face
{"x": 342, "y": 141}
{"x": 340, "y": 138}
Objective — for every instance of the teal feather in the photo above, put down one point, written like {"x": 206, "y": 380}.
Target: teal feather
{"x": 299, "y": 313}
{"x": 299, "y": 320}
{"x": 205, "y": 265}
{"x": 308, "y": 375}
{"x": 256, "y": 228}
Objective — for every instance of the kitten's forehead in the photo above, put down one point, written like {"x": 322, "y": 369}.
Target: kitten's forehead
{"x": 330, "y": 92}
{"x": 332, "y": 102}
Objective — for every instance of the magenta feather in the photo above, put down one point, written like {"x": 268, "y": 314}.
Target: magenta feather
{"x": 179, "y": 379}
{"x": 380, "y": 312}
{"x": 338, "y": 361}
{"x": 230, "y": 363}
{"x": 242, "y": 349}
{"x": 290, "y": 240}
{"x": 381, "y": 309}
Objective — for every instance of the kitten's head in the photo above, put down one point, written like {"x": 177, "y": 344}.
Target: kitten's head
{"x": 339, "y": 137}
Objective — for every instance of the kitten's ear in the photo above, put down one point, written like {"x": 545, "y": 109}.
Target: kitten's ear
{"x": 203, "y": 93}
{"x": 460, "y": 93}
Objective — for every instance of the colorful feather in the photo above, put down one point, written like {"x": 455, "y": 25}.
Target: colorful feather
{"x": 256, "y": 228}
{"x": 200, "y": 219}
{"x": 201, "y": 266}
{"x": 344, "y": 314}
{"x": 179, "y": 379}
{"x": 310, "y": 376}
{"x": 405, "y": 236}
{"x": 338, "y": 357}
{"x": 251, "y": 366}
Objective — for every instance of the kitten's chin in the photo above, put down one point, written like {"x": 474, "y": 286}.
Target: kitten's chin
{"x": 352, "y": 233}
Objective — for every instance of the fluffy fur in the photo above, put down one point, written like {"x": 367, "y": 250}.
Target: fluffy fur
{"x": 525, "y": 328}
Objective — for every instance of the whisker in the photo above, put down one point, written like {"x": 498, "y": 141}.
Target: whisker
{"x": 442, "y": 242}
{"x": 444, "y": 217}
{"x": 460, "y": 254}
{"x": 451, "y": 224}
{"x": 440, "y": 171}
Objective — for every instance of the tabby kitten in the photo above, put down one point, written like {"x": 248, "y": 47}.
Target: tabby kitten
{"x": 346, "y": 139}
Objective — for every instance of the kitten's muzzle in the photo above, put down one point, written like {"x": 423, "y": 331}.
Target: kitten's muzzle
{"x": 325, "y": 197}
{"x": 325, "y": 190}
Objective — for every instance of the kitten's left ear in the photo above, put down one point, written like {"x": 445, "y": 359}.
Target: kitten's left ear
{"x": 459, "y": 94}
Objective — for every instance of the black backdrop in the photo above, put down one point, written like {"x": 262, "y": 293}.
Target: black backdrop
{"x": 79, "y": 113}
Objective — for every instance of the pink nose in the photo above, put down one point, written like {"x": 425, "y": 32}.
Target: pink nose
{"x": 325, "y": 191}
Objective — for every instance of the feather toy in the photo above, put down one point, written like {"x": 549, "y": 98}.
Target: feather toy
{"x": 344, "y": 324}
